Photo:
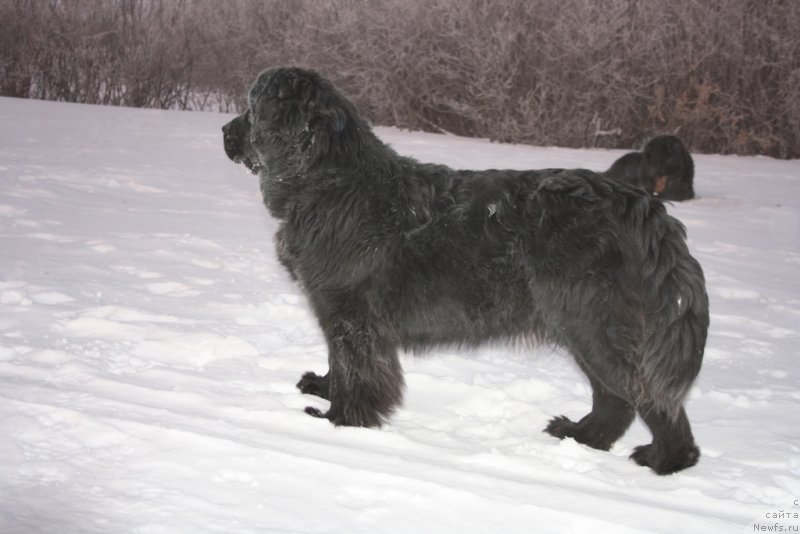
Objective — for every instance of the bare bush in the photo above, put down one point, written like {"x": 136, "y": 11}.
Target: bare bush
{"x": 721, "y": 74}
{"x": 130, "y": 52}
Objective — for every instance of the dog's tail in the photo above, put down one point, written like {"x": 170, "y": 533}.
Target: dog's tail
{"x": 675, "y": 309}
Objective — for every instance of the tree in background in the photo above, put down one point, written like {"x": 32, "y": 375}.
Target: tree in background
{"x": 721, "y": 74}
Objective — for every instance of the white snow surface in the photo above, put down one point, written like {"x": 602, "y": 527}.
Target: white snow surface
{"x": 150, "y": 344}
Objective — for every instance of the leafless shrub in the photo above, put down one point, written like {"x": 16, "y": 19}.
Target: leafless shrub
{"x": 722, "y": 74}
{"x": 130, "y": 52}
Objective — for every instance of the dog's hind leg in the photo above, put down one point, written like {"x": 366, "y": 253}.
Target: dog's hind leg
{"x": 605, "y": 424}
{"x": 673, "y": 447}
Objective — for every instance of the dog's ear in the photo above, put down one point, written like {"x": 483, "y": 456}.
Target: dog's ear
{"x": 329, "y": 122}
{"x": 688, "y": 164}
{"x": 324, "y": 131}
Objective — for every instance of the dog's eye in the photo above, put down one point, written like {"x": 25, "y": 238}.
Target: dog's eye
{"x": 290, "y": 87}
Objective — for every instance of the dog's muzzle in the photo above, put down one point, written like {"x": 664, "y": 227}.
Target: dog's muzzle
{"x": 232, "y": 141}
{"x": 235, "y": 141}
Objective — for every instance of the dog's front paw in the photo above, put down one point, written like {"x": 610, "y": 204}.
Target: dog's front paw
{"x": 358, "y": 417}
{"x": 313, "y": 384}
{"x": 316, "y": 412}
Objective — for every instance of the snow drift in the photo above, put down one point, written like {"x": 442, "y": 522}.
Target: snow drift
{"x": 150, "y": 343}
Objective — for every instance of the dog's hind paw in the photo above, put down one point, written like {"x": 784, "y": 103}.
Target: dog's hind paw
{"x": 560, "y": 427}
{"x": 642, "y": 455}
{"x": 665, "y": 463}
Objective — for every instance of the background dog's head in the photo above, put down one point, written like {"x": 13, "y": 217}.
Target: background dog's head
{"x": 667, "y": 169}
{"x": 295, "y": 119}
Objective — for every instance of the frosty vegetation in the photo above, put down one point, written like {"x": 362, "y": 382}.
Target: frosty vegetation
{"x": 721, "y": 74}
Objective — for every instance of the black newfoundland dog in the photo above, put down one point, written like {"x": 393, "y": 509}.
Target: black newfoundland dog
{"x": 664, "y": 169}
{"x": 393, "y": 253}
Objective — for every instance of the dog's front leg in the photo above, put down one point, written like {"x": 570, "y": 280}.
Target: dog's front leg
{"x": 365, "y": 379}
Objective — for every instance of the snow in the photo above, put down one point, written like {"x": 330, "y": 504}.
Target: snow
{"x": 150, "y": 343}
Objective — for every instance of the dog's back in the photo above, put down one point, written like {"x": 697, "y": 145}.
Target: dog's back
{"x": 625, "y": 169}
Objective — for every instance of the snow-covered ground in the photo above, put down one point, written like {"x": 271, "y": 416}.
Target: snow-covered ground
{"x": 150, "y": 344}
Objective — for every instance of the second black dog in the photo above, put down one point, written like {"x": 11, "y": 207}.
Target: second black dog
{"x": 664, "y": 169}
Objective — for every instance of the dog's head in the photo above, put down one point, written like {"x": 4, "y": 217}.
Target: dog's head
{"x": 666, "y": 169}
{"x": 296, "y": 127}
{"x": 294, "y": 119}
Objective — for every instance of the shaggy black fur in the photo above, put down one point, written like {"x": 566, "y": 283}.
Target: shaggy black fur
{"x": 664, "y": 169}
{"x": 395, "y": 253}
